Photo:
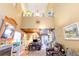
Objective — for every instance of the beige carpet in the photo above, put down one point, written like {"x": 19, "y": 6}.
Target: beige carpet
{"x": 37, "y": 53}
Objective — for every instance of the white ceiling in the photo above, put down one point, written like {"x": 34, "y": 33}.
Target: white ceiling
{"x": 41, "y": 7}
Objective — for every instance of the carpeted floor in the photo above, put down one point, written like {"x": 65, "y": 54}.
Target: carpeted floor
{"x": 37, "y": 53}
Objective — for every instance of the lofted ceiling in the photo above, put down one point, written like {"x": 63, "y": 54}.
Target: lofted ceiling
{"x": 39, "y": 9}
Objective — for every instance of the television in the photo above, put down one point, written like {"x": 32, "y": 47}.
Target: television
{"x": 35, "y": 40}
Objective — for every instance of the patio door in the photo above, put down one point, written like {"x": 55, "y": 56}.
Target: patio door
{"x": 44, "y": 39}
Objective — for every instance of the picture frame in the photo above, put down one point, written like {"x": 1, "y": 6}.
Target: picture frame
{"x": 71, "y": 32}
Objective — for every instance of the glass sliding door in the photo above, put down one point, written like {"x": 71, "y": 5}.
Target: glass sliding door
{"x": 44, "y": 39}
{"x": 47, "y": 37}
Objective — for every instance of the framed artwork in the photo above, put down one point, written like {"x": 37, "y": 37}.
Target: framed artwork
{"x": 71, "y": 32}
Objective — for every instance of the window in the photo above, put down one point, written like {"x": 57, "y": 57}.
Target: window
{"x": 8, "y": 33}
{"x": 17, "y": 37}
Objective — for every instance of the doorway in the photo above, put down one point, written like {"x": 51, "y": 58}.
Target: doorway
{"x": 45, "y": 41}
{"x": 47, "y": 38}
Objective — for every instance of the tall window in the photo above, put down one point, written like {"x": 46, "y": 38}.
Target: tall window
{"x": 17, "y": 37}
{"x": 8, "y": 33}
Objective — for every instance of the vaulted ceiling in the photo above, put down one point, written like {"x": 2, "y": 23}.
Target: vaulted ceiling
{"x": 40, "y": 8}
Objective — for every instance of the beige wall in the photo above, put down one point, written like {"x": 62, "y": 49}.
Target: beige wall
{"x": 7, "y": 9}
{"x": 30, "y": 22}
{"x": 66, "y": 14}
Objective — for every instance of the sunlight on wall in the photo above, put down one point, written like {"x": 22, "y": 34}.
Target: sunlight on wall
{"x": 42, "y": 26}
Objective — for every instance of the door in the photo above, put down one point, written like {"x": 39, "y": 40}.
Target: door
{"x": 44, "y": 39}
